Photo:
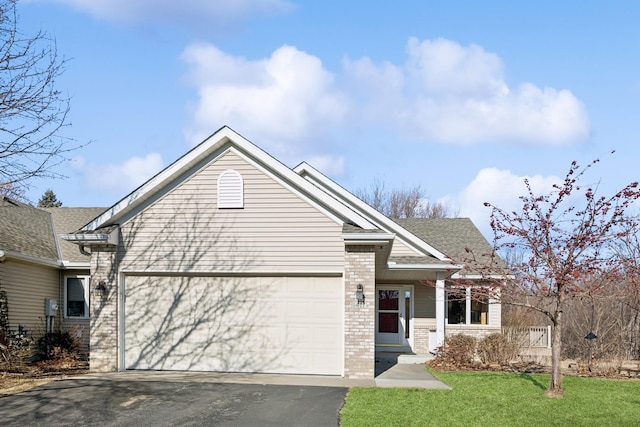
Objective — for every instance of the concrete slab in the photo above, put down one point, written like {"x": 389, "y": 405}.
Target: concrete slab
{"x": 391, "y": 375}
{"x": 391, "y": 370}
{"x": 236, "y": 378}
{"x": 409, "y": 375}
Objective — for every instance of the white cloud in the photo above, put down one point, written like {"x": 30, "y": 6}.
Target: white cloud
{"x": 284, "y": 99}
{"x": 453, "y": 94}
{"x": 444, "y": 92}
{"x": 501, "y": 188}
{"x": 215, "y": 13}
{"x": 118, "y": 179}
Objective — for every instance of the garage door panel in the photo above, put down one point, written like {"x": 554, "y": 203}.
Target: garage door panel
{"x": 234, "y": 324}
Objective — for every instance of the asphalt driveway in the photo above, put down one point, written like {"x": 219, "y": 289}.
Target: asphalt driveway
{"x": 104, "y": 402}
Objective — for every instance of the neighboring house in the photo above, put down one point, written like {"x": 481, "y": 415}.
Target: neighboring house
{"x": 36, "y": 266}
{"x": 228, "y": 260}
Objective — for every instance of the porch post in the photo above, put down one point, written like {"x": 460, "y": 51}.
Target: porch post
{"x": 440, "y": 306}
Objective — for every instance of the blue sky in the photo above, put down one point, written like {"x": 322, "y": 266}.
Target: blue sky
{"x": 463, "y": 98}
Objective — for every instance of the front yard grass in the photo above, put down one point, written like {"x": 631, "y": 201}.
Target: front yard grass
{"x": 496, "y": 399}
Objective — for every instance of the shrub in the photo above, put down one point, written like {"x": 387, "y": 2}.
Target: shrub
{"x": 458, "y": 352}
{"x": 497, "y": 349}
{"x": 15, "y": 351}
{"x": 55, "y": 345}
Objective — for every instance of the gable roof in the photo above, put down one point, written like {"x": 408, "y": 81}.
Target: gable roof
{"x": 453, "y": 236}
{"x": 450, "y": 235}
{"x": 27, "y": 231}
{"x": 33, "y": 233}
{"x": 423, "y": 246}
{"x": 66, "y": 220}
{"x": 217, "y": 144}
{"x": 361, "y": 222}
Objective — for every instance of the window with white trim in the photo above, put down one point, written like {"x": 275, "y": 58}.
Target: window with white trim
{"x": 76, "y": 296}
{"x": 467, "y": 306}
{"x": 230, "y": 190}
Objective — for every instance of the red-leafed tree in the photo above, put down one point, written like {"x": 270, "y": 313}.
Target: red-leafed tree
{"x": 568, "y": 241}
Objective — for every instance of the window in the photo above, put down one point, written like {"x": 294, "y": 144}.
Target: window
{"x": 467, "y": 306}
{"x": 479, "y": 310}
{"x": 230, "y": 190}
{"x": 76, "y": 300}
{"x": 456, "y": 310}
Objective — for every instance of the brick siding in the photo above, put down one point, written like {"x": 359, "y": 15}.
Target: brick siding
{"x": 104, "y": 312}
{"x": 359, "y": 327}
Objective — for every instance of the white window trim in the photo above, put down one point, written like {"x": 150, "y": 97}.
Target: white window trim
{"x": 85, "y": 283}
{"x": 230, "y": 196}
{"x": 467, "y": 314}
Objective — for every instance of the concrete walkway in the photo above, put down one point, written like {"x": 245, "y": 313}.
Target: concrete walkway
{"x": 405, "y": 370}
{"x": 409, "y": 375}
{"x": 392, "y": 370}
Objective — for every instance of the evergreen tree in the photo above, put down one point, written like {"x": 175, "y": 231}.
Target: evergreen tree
{"x": 49, "y": 200}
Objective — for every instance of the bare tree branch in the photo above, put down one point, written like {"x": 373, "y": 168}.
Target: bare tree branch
{"x": 32, "y": 109}
{"x": 403, "y": 203}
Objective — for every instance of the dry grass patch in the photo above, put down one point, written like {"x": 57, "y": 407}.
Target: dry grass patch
{"x": 11, "y": 383}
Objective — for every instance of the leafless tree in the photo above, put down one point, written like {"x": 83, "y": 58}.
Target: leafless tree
{"x": 403, "y": 203}
{"x": 13, "y": 191}
{"x": 32, "y": 109}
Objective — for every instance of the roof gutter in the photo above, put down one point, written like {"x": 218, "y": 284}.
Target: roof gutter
{"x": 452, "y": 267}
{"x": 28, "y": 258}
{"x": 353, "y": 239}
{"x": 90, "y": 238}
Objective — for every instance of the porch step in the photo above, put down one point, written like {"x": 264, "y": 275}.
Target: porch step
{"x": 402, "y": 358}
{"x": 414, "y": 358}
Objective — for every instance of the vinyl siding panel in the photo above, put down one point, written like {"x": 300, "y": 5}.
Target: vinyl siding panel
{"x": 402, "y": 249}
{"x": 27, "y": 285}
{"x": 275, "y": 231}
{"x": 425, "y": 301}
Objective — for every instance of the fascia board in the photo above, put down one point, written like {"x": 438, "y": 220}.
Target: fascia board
{"x": 69, "y": 265}
{"x": 305, "y": 170}
{"x": 352, "y": 239}
{"x": 102, "y": 238}
{"x": 207, "y": 147}
{"x": 86, "y": 238}
{"x": 145, "y": 191}
{"x": 462, "y": 275}
{"x": 32, "y": 259}
{"x": 287, "y": 177}
{"x": 393, "y": 266}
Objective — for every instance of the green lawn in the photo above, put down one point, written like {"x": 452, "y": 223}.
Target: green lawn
{"x": 496, "y": 399}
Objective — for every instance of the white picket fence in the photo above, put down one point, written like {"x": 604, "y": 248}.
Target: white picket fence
{"x": 529, "y": 337}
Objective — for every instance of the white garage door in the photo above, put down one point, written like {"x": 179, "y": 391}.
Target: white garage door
{"x": 230, "y": 324}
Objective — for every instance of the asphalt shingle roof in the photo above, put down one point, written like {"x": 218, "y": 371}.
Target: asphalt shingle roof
{"x": 66, "y": 221}
{"x": 27, "y": 230}
{"x": 33, "y": 232}
{"x": 417, "y": 260}
{"x": 451, "y": 236}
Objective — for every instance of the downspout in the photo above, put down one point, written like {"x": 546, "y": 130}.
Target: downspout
{"x": 83, "y": 251}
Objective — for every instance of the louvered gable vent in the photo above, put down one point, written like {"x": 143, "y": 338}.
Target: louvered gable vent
{"x": 230, "y": 190}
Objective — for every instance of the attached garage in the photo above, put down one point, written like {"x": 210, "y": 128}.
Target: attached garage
{"x": 234, "y": 324}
